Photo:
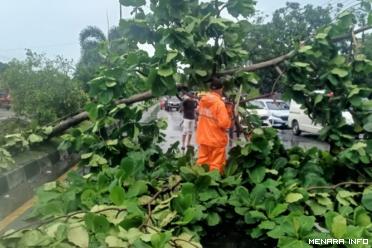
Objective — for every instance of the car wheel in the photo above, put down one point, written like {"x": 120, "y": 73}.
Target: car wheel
{"x": 296, "y": 128}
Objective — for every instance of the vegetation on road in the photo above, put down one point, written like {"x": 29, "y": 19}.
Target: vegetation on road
{"x": 138, "y": 196}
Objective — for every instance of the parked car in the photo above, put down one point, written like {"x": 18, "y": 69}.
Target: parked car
{"x": 172, "y": 103}
{"x": 299, "y": 121}
{"x": 272, "y": 112}
{"x": 5, "y": 100}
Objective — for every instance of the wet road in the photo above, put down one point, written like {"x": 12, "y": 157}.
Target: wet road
{"x": 174, "y": 134}
{"x": 5, "y": 114}
{"x": 174, "y": 129}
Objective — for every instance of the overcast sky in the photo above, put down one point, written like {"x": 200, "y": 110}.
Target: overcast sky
{"x": 53, "y": 26}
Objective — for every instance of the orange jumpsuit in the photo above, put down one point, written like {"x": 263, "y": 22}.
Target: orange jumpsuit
{"x": 211, "y": 131}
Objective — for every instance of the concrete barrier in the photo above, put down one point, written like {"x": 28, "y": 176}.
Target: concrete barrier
{"x": 32, "y": 169}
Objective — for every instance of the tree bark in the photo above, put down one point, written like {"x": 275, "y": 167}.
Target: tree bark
{"x": 76, "y": 119}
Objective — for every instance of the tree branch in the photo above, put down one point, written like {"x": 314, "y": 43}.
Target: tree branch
{"x": 284, "y": 57}
{"x": 76, "y": 119}
{"x": 67, "y": 217}
{"x": 350, "y": 35}
{"x": 333, "y": 187}
{"x": 153, "y": 198}
{"x": 260, "y": 65}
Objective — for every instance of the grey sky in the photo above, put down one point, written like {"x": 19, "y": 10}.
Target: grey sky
{"x": 53, "y": 27}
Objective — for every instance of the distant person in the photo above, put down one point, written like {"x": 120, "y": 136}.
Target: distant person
{"x": 213, "y": 122}
{"x": 189, "y": 106}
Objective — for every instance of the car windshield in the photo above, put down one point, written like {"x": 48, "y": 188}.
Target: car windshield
{"x": 277, "y": 105}
{"x": 255, "y": 105}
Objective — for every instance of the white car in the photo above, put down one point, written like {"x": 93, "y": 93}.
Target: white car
{"x": 272, "y": 112}
{"x": 299, "y": 121}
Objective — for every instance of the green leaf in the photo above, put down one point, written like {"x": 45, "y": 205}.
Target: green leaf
{"x": 78, "y": 236}
{"x": 33, "y": 138}
{"x": 201, "y": 73}
{"x": 301, "y": 64}
{"x": 340, "y": 72}
{"x": 191, "y": 215}
{"x": 293, "y": 197}
{"x": 86, "y": 155}
{"x": 97, "y": 223}
{"x": 137, "y": 189}
{"x": 97, "y": 160}
{"x": 47, "y": 130}
{"x": 370, "y": 19}
{"x": 361, "y": 217}
{"x": 213, "y": 219}
{"x": 257, "y": 174}
{"x": 92, "y": 110}
{"x": 339, "y": 60}
{"x": 33, "y": 238}
{"x": 299, "y": 87}
{"x": 367, "y": 198}
{"x": 368, "y": 127}
{"x": 167, "y": 217}
{"x": 289, "y": 242}
{"x": 151, "y": 79}
{"x": 165, "y": 71}
{"x": 171, "y": 55}
{"x": 339, "y": 226}
{"x": 278, "y": 210}
{"x": 333, "y": 80}
{"x": 117, "y": 195}
{"x": 316, "y": 208}
{"x": 111, "y": 84}
{"x": 113, "y": 241}
{"x": 304, "y": 49}
{"x": 130, "y": 144}
{"x": 257, "y": 195}
{"x": 159, "y": 240}
{"x": 356, "y": 101}
{"x": 88, "y": 197}
{"x": 267, "y": 225}
{"x": 318, "y": 99}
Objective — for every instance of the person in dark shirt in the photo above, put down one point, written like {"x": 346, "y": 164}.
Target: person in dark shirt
{"x": 188, "y": 106}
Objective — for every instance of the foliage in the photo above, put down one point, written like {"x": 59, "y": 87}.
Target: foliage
{"x": 42, "y": 89}
{"x": 136, "y": 195}
{"x": 2, "y": 66}
{"x": 91, "y": 39}
{"x": 367, "y": 46}
{"x": 344, "y": 78}
{"x": 289, "y": 25}
{"x": 158, "y": 200}
{"x": 13, "y": 125}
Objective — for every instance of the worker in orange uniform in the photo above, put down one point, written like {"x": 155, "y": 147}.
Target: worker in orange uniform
{"x": 213, "y": 122}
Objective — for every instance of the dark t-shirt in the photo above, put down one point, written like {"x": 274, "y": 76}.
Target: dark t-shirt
{"x": 189, "y": 107}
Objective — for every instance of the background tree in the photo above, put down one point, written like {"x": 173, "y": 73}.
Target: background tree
{"x": 2, "y": 66}
{"x": 288, "y": 25}
{"x": 42, "y": 89}
{"x": 91, "y": 40}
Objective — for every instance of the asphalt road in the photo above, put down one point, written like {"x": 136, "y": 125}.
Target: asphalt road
{"x": 174, "y": 134}
{"x": 5, "y": 114}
